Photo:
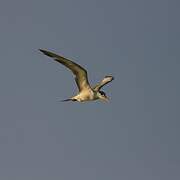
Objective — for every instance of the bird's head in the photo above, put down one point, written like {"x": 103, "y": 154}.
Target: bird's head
{"x": 102, "y": 95}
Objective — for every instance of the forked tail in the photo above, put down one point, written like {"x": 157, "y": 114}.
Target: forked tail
{"x": 65, "y": 100}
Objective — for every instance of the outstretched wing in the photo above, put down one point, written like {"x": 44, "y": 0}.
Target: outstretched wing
{"x": 79, "y": 72}
{"x": 105, "y": 81}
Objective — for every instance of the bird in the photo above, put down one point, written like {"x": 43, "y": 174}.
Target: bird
{"x": 86, "y": 92}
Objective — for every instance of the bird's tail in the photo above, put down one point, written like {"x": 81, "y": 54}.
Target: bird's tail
{"x": 66, "y": 100}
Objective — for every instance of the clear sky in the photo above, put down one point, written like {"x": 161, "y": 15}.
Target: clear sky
{"x": 133, "y": 137}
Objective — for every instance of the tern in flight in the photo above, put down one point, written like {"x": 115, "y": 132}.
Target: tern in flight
{"x": 86, "y": 92}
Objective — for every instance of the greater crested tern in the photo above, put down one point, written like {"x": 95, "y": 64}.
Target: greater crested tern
{"x": 86, "y": 92}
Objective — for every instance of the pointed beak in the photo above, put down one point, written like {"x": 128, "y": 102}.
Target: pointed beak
{"x": 106, "y": 99}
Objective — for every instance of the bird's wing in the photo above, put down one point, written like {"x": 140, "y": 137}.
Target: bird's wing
{"x": 106, "y": 80}
{"x": 79, "y": 72}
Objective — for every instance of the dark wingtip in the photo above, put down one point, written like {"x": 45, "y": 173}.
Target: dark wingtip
{"x": 43, "y": 51}
{"x": 47, "y": 53}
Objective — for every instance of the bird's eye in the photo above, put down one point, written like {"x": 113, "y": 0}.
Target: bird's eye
{"x": 102, "y": 93}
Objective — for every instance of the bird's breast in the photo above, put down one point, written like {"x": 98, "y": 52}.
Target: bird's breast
{"x": 85, "y": 95}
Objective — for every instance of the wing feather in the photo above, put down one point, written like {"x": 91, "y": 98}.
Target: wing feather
{"x": 105, "y": 81}
{"x": 80, "y": 73}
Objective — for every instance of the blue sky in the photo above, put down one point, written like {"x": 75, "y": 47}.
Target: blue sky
{"x": 135, "y": 135}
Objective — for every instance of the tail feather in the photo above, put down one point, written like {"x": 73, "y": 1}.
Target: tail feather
{"x": 65, "y": 100}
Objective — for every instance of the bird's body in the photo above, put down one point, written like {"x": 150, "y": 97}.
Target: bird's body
{"x": 86, "y": 92}
{"x": 86, "y": 95}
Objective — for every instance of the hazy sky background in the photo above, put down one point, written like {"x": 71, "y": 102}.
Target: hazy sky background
{"x": 133, "y": 137}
